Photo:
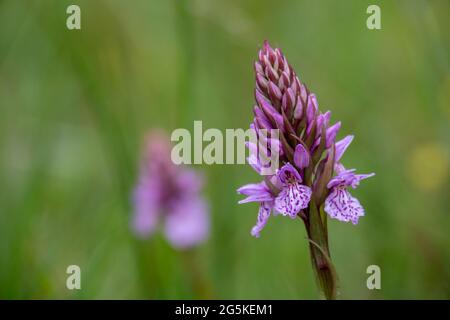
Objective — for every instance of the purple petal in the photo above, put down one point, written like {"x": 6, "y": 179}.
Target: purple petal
{"x": 288, "y": 174}
{"x": 303, "y": 90}
{"x": 263, "y": 156}
{"x": 301, "y": 156}
{"x": 258, "y": 67}
{"x": 252, "y": 148}
{"x": 293, "y": 198}
{"x": 268, "y": 109}
{"x": 342, "y": 206}
{"x": 255, "y": 192}
{"x": 315, "y": 144}
{"x": 358, "y": 177}
{"x": 264, "y": 103}
{"x": 254, "y": 163}
{"x": 274, "y": 90}
{"x": 265, "y": 148}
{"x": 298, "y": 111}
{"x": 275, "y": 147}
{"x": 341, "y": 146}
{"x": 187, "y": 224}
{"x": 189, "y": 181}
{"x": 311, "y": 108}
{"x": 326, "y": 118}
{"x": 275, "y": 181}
{"x": 331, "y": 133}
{"x": 348, "y": 178}
{"x": 339, "y": 168}
{"x": 263, "y": 216}
{"x": 261, "y": 117}
{"x": 288, "y": 100}
{"x": 261, "y": 81}
{"x": 343, "y": 178}
{"x": 322, "y": 122}
{"x": 146, "y": 208}
{"x": 269, "y": 145}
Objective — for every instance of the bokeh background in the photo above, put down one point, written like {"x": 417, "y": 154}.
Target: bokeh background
{"x": 75, "y": 106}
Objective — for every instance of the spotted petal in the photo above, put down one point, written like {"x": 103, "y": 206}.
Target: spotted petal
{"x": 263, "y": 216}
{"x": 342, "y": 206}
{"x": 293, "y": 198}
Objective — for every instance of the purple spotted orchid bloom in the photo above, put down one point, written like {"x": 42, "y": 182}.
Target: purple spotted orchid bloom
{"x": 311, "y": 178}
{"x": 292, "y": 198}
{"x": 340, "y": 204}
{"x": 169, "y": 194}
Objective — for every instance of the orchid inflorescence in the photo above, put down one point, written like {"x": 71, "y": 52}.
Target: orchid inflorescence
{"x": 312, "y": 178}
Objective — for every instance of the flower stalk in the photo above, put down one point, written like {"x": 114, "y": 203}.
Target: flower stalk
{"x": 322, "y": 265}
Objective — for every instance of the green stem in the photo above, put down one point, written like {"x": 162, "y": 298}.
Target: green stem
{"x": 147, "y": 268}
{"x": 320, "y": 254}
{"x": 200, "y": 286}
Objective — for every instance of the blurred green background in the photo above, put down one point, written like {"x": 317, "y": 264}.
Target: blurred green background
{"x": 75, "y": 106}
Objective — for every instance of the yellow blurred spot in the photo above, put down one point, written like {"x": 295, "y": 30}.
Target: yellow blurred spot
{"x": 428, "y": 166}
